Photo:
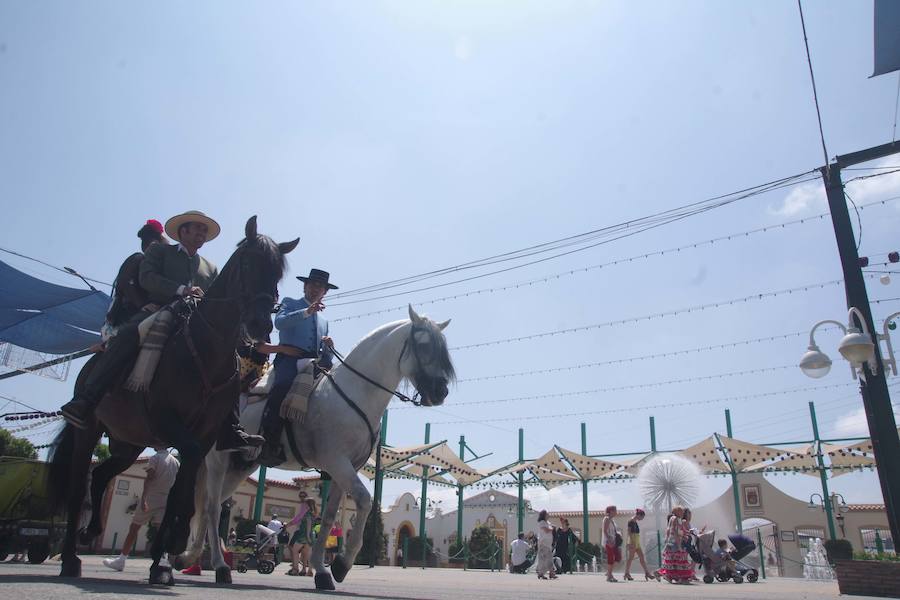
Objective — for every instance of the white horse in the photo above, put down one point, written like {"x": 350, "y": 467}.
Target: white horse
{"x": 335, "y": 437}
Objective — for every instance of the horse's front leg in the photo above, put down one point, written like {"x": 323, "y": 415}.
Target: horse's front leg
{"x": 342, "y": 563}
{"x": 198, "y": 527}
{"x": 216, "y": 466}
{"x": 317, "y": 557}
{"x": 174, "y": 530}
{"x": 122, "y": 456}
{"x": 71, "y": 463}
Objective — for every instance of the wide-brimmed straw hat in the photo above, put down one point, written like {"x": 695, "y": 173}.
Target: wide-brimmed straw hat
{"x": 318, "y": 276}
{"x": 192, "y": 216}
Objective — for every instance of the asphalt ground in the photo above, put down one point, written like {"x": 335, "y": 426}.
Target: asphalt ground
{"x": 27, "y": 582}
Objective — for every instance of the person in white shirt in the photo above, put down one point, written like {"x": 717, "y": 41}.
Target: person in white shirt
{"x": 545, "y": 548}
{"x": 266, "y": 535}
{"x": 519, "y": 554}
{"x": 612, "y": 542}
{"x": 162, "y": 468}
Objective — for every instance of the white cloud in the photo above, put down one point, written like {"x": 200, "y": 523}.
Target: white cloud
{"x": 809, "y": 198}
{"x": 852, "y": 424}
{"x": 876, "y": 188}
{"x": 566, "y": 497}
{"x": 805, "y": 199}
{"x": 464, "y": 48}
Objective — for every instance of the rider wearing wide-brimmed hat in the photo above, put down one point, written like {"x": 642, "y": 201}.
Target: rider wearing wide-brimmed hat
{"x": 166, "y": 273}
{"x": 302, "y": 333}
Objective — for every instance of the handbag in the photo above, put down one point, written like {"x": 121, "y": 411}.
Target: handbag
{"x": 618, "y": 539}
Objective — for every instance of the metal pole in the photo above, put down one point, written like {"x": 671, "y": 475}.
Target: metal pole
{"x": 260, "y": 490}
{"x": 379, "y": 486}
{"x": 585, "y": 534}
{"x": 826, "y": 497}
{"x": 735, "y": 489}
{"x": 326, "y": 491}
{"x": 762, "y": 556}
{"x": 520, "y": 512}
{"x": 422, "y": 537}
{"x": 873, "y": 387}
{"x": 656, "y": 515}
{"x": 459, "y": 491}
{"x": 49, "y": 363}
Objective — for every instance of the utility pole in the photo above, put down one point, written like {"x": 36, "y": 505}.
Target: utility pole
{"x": 379, "y": 486}
{"x": 873, "y": 388}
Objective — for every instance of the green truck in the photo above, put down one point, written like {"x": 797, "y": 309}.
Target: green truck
{"x": 27, "y": 522}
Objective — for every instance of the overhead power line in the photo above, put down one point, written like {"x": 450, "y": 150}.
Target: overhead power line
{"x": 621, "y": 388}
{"x": 622, "y": 229}
{"x": 552, "y": 415}
{"x": 572, "y": 272}
{"x": 619, "y": 361}
{"x": 659, "y": 315}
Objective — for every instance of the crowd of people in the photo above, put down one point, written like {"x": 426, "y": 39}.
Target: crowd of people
{"x": 550, "y": 549}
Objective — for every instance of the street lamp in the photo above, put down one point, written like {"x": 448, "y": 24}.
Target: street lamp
{"x": 856, "y": 346}
{"x": 837, "y": 505}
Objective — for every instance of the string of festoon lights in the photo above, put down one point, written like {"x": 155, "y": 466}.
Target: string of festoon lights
{"x": 632, "y": 408}
{"x": 622, "y": 388}
{"x": 35, "y": 424}
{"x": 668, "y": 313}
{"x": 578, "y": 271}
{"x": 605, "y": 234}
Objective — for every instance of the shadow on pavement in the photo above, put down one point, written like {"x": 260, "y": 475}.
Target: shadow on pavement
{"x": 99, "y": 585}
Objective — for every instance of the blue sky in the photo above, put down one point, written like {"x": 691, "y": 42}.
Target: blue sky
{"x": 398, "y": 137}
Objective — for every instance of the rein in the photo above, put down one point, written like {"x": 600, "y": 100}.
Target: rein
{"x": 401, "y": 396}
{"x": 209, "y": 389}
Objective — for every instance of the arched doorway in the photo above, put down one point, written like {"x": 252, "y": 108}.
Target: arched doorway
{"x": 761, "y": 529}
{"x": 404, "y": 532}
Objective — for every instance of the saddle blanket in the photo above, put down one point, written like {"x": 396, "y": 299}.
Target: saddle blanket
{"x": 153, "y": 333}
{"x": 295, "y": 404}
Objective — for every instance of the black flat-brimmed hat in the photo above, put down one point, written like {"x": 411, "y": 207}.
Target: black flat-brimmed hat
{"x": 318, "y": 276}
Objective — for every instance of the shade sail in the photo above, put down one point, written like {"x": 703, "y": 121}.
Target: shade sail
{"x": 588, "y": 467}
{"x": 706, "y": 456}
{"x": 46, "y": 317}
{"x": 442, "y": 464}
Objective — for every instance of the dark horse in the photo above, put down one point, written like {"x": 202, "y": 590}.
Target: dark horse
{"x": 195, "y": 386}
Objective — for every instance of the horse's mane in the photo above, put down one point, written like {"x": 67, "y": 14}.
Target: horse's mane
{"x": 441, "y": 351}
{"x": 270, "y": 251}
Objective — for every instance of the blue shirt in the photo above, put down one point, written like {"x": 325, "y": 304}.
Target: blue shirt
{"x": 295, "y": 328}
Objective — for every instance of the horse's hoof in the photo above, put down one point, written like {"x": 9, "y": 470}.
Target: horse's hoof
{"x": 161, "y": 576}
{"x": 339, "y": 568}
{"x": 223, "y": 575}
{"x": 71, "y": 567}
{"x": 324, "y": 582}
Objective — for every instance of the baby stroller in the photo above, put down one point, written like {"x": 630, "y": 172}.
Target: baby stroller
{"x": 256, "y": 559}
{"x": 716, "y": 567}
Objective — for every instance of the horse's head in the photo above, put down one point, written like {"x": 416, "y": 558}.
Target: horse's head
{"x": 251, "y": 276}
{"x": 425, "y": 360}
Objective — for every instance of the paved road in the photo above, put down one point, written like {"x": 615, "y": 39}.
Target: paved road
{"x": 27, "y": 582}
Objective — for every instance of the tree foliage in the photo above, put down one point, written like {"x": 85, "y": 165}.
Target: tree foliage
{"x": 482, "y": 547}
{"x": 101, "y": 452}
{"x": 11, "y": 445}
{"x": 373, "y": 539}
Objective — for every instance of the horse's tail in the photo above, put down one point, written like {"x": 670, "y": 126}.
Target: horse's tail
{"x": 60, "y": 457}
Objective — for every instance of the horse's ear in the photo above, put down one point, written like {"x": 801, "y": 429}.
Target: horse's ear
{"x": 443, "y": 326}
{"x": 250, "y": 228}
{"x": 286, "y": 247}
{"x": 416, "y": 319}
